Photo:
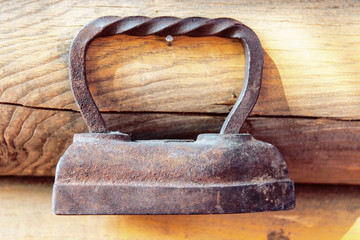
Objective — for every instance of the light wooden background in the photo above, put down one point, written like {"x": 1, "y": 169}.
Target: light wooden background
{"x": 308, "y": 108}
{"x": 322, "y": 212}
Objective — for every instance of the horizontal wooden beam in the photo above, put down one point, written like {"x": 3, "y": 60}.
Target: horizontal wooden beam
{"x": 311, "y": 62}
{"x": 308, "y": 105}
{"x": 316, "y": 150}
{"x": 322, "y": 212}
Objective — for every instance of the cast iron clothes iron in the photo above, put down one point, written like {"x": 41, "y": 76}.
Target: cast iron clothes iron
{"x": 105, "y": 172}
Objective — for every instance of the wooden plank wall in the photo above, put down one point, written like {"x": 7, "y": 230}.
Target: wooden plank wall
{"x": 322, "y": 212}
{"x": 308, "y": 107}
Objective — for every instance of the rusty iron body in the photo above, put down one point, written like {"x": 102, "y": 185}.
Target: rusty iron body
{"x": 105, "y": 172}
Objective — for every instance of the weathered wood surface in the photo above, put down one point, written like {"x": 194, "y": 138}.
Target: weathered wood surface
{"x": 322, "y": 212}
{"x": 308, "y": 145}
{"x": 308, "y": 106}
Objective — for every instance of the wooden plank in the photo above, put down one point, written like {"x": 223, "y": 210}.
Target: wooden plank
{"x": 316, "y": 150}
{"x": 310, "y": 81}
{"x": 311, "y": 66}
{"x": 322, "y": 212}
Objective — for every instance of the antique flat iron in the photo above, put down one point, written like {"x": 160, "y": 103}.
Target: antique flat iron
{"x": 105, "y": 172}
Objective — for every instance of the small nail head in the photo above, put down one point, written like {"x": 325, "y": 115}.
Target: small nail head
{"x": 169, "y": 39}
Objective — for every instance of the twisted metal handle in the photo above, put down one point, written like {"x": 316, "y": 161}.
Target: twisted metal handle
{"x": 163, "y": 26}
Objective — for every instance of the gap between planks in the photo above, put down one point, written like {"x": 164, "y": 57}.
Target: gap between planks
{"x": 185, "y": 113}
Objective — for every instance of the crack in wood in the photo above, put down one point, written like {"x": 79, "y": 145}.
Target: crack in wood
{"x": 186, "y": 113}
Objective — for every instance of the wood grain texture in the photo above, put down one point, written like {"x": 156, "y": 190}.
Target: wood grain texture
{"x": 322, "y": 212}
{"x": 314, "y": 46}
{"x": 198, "y": 75}
{"x": 308, "y": 105}
{"x": 316, "y": 150}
